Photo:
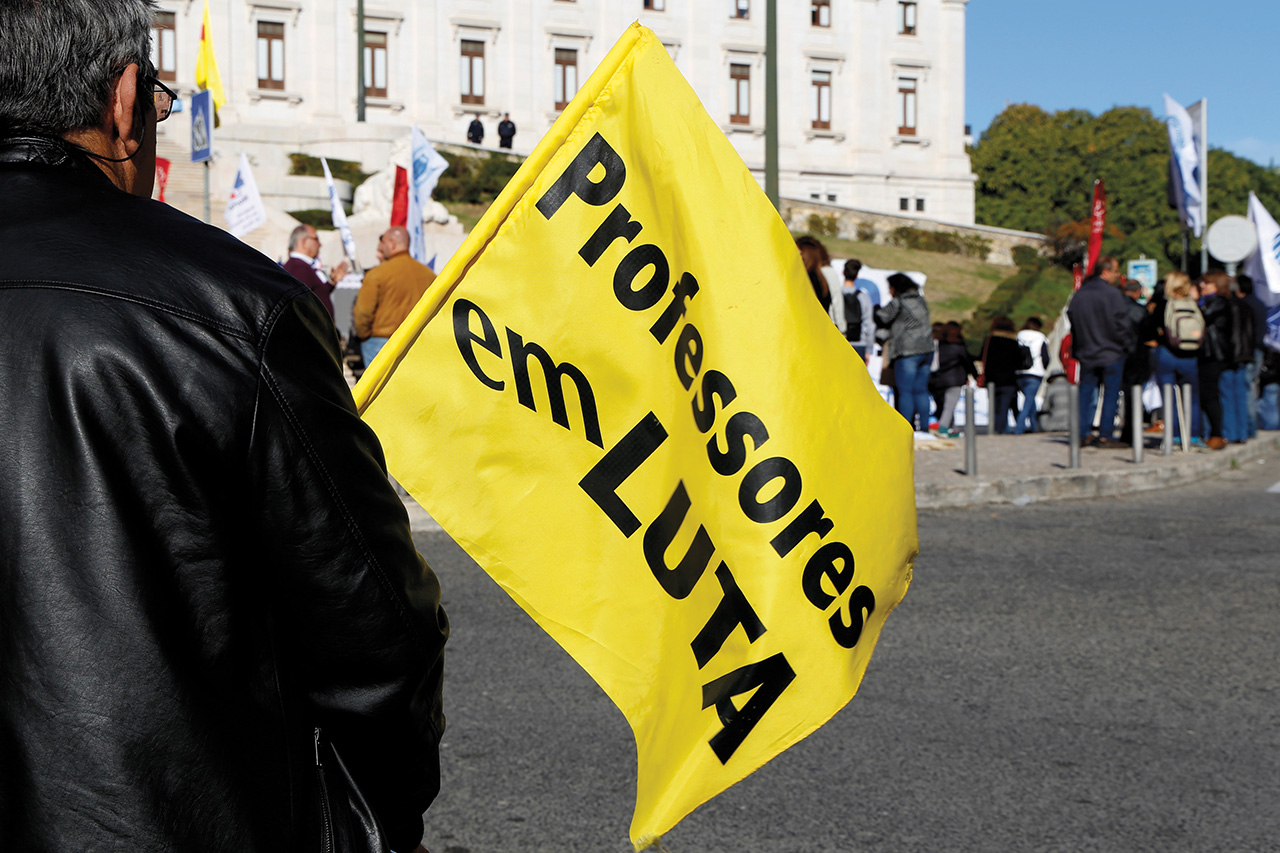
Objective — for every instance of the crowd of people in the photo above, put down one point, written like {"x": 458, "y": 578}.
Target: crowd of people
{"x": 1207, "y": 334}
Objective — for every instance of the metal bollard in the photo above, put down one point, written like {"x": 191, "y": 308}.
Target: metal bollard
{"x": 1073, "y": 422}
{"x": 970, "y": 434}
{"x": 1189, "y": 429}
{"x": 1135, "y": 418}
{"x": 1166, "y": 444}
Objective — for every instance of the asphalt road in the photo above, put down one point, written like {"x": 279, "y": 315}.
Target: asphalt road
{"x": 1099, "y": 676}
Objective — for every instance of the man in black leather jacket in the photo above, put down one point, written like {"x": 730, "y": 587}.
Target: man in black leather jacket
{"x": 204, "y": 570}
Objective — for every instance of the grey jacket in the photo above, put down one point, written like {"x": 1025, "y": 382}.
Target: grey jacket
{"x": 907, "y": 319}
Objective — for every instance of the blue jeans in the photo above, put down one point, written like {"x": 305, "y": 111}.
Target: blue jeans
{"x": 912, "y": 375}
{"x": 370, "y": 347}
{"x": 1176, "y": 370}
{"x": 1027, "y": 420}
{"x": 1109, "y": 377}
{"x": 1269, "y": 407}
{"x": 1001, "y": 399}
{"x": 1251, "y": 371}
{"x": 1235, "y": 411}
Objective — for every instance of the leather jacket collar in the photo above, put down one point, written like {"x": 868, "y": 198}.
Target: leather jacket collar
{"x": 50, "y": 151}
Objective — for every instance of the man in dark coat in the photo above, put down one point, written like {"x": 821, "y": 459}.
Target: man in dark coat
{"x": 506, "y": 131}
{"x": 207, "y": 583}
{"x": 1101, "y": 335}
{"x": 1254, "y": 370}
{"x": 475, "y": 130}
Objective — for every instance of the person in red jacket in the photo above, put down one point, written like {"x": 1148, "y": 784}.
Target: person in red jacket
{"x": 304, "y": 265}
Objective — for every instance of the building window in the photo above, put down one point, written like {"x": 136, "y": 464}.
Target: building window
{"x": 904, "y": 204}
{"x": 375, "y": 65}
{"x": 270, "y": 55}
{"x": 566, "y": 82}
{"x": 820, "y": 12}
{"x": 471, "y": 74}
{"x": 164, "y": 45}
{"x": 906, "y": 106}
{"x": 920, "y": 205}
{"x": 740, "y": 9}
{"x": 655, "y": 5}
{"x": 740, "y": 80}
{"x": 831, "y": 197}
{"x": 907, "y": 18}
{"x": 821, "y": 100}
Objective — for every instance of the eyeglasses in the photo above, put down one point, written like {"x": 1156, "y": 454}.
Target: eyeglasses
{"x": 162, "y": 96}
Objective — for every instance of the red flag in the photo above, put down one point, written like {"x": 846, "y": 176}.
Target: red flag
{"x": 1077, "y": 276}
{"x": 400, "y": 199}
{"x": 1097, "y": 221}
{"x": 162, "y": 176}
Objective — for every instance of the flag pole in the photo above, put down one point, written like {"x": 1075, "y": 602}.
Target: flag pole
{"x": 771, "y": 103}
{"x": 360, "y": 60}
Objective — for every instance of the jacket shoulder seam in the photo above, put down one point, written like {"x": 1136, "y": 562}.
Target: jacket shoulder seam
{"x": 39, "y": 284}
{"x": 335, "y": 495}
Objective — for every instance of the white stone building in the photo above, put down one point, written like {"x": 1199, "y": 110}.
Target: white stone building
{"x": 871, "y": 92}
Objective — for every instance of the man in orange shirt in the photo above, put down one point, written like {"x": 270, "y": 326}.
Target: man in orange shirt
{"x": 389, "y": 292}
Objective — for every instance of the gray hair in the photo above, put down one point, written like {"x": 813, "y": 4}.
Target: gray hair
{"x": 59, "y": 60}
{"x": 297, "y": 235}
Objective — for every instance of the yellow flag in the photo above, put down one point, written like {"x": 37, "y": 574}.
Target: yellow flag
{"x": 207, "y": 76}
{"x": 623, "y": 400}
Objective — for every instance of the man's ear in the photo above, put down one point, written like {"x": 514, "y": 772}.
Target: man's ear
{"x": 127, "y": 112}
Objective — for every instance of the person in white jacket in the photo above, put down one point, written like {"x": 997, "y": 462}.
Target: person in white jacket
{"x": 1029, "y": 379}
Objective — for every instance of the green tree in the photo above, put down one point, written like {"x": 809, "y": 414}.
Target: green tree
{"x": 1036, "y": 171}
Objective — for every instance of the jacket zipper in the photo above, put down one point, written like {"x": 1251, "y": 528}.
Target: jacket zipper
{"x": 326, "y": 818}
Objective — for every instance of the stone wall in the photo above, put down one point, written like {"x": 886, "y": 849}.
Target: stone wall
{"x": 854, "y": 224}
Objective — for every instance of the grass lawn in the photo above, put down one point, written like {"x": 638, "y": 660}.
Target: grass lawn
{"x": 956, "y": 284}
{"x": 468, "y": 214}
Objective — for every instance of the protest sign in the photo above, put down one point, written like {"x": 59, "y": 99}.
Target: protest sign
{"x": 245, "y": 210}
{"x": 623, "y": 400}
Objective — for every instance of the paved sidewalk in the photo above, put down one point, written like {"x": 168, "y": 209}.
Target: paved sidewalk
{"x": 1022, "y": 469}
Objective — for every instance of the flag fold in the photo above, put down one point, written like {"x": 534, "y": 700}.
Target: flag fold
{"x": 1263, "y": 266}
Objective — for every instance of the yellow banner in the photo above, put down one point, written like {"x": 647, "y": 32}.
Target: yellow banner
{"x": 623, "y": 400}
{"x": 207, "y": 76}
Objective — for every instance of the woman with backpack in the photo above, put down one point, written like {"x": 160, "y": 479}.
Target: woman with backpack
{"x": 1036, "y": 345}
{"x": 1179, "y": 330}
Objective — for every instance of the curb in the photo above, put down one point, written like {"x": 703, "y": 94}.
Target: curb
{"x": 1079, "y": 485}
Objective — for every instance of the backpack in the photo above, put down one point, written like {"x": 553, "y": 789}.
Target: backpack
{"x": 852, "y": 315}
{"x": 1026, "y": 359}
{"x": 1183, "y": 324}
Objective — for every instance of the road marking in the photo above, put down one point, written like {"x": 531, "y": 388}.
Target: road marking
{"x": 1274, "y": 490}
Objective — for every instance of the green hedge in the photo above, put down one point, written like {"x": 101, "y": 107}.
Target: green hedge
{"x": 1038, "y": 289}
{"x": 344, "y": 170}
{"x": 474, "y": 179}
{"x": 947, "y": 242}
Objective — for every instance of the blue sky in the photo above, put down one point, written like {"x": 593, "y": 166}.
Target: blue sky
{"x": 1096, "y": 54}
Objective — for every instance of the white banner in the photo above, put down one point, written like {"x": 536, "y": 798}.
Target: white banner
{"x": 339, "y": 215}
{"x": 426, "y": 167}
{"x": 1263, "y": 266}
{"x": 1185, "y": 170}
{"x": 244, "y": 210}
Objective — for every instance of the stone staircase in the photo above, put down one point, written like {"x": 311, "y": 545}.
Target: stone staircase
{"x": 185, "y": 189}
